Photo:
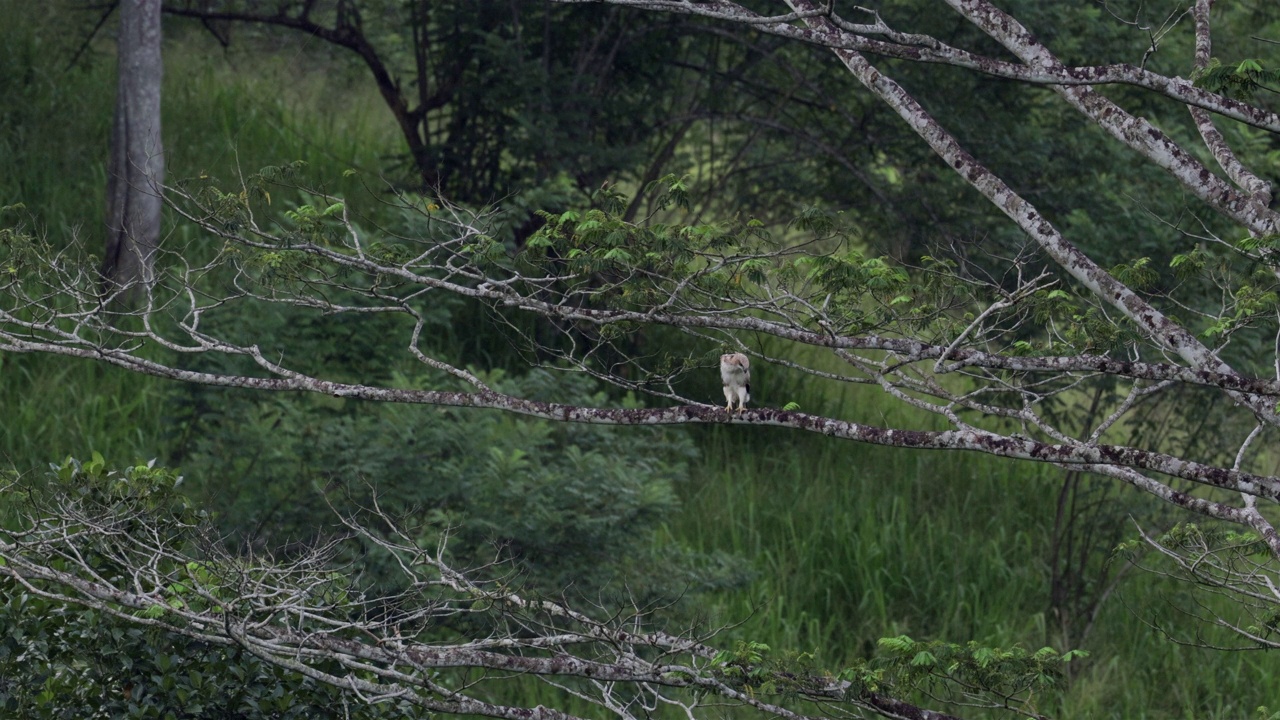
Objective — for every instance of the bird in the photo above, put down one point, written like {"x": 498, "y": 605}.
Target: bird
{"x": 735, "y": 372}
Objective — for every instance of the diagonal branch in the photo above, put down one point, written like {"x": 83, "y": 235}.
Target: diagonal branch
{"x": 851, "y": 36}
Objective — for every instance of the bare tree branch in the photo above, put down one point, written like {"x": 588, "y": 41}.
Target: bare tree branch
{"x": 842, "y": 34}
{"x": 306, "y": 615}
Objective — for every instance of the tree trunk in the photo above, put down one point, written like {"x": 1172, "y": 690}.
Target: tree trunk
{"x": 136, "y": 169}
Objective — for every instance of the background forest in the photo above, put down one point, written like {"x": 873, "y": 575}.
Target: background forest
{"x": 793, "y": 540}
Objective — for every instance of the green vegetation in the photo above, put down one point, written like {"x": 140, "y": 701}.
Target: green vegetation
{"x": 799, "y": 542}
{"x": 837, "y": 534}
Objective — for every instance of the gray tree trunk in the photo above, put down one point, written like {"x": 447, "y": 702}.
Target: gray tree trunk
{"x": 135, "y": 172}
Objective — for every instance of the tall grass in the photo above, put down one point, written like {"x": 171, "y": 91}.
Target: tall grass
{"x": 54, "y": 407}
{"x": 846, "y": 530}
{"x": 851, "y": 543}
{"x": 232, "y": 111}
{"x": 53, "y": 116}
{"x": 217, "y": 120}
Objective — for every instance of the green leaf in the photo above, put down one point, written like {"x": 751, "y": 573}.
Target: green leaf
{"x": 924, "y": 658}
{"x": 1137, "y": 274}
{"x": 900, "y": 643}
{"x": 1045, "y": 653}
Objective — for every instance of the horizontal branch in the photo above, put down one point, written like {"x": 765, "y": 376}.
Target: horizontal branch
{"x": 961, "y": 439}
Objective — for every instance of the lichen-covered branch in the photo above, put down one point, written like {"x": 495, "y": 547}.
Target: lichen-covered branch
{"x": 865, "y": 37}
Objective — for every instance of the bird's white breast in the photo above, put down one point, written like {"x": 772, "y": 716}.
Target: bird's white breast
{"x": 731, "y": 374}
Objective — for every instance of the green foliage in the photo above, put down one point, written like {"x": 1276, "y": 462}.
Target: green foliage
{"x": 21, "y": 253}
{"x": 639, "y": 265}
{"x": 970, "y": 673}
{"x": 1094, "y": 332}
{"x": 1242, "y": 80}
{"x": 899, "y": 552}
{"x": 1188, "y": 265}
{"x": 757, "y": 669}
{"x": 1195, "y": 537}
{"x": 1248, "y": 303}
{"x": 1137, "y": 274}
{"x": 62, "y": 661}
{"x": 144, "y": 487}
{"x": 597, "y": 240}
{"x": 1265, "y": 247}
{"x": 504, "y": 109}
{"x": 1007, "y": 673}
{"x": 1213, "y": 561}
{"x": 851, "y": 274}
{"x": 573, "y": 506}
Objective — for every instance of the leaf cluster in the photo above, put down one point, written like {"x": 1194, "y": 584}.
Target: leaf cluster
{"x": 59, "y": 661}
{"x": 759, "y": 670}
{"x": 1000, "y": 671}
{"x": 963, "y": 673}
{"x": 1241, "y": 80}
